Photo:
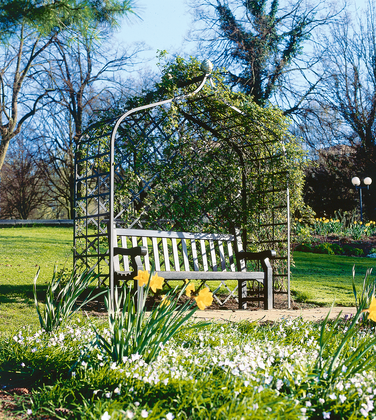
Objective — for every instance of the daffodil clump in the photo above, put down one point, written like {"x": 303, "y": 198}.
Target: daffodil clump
{"x": 204, "y": 298}
{"x": 324, "y": 227}
{"x": 223, "y": 370}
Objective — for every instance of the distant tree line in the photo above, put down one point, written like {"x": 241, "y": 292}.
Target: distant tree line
{"x": 315, "y": 63}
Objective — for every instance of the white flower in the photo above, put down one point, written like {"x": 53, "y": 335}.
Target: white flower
{"x": 136, "y": 403}
{"x": 364, "y": 412}
{"x": 170, "y": 416}
{"x": 332, "y": 396}
{"x": 326, "y": 415}
{"x": 22, "y": 364}
{"x": 321, "y": 400}
{"x": 130, "y": 414}
{"x": 144, "y": 414}
{"x": 342, "y": 398}
{"x": 29, "y": 412}
{"x": 73, "y": 374}
{"x": 117, "y": 390}
{"x": 107, "y": 394}
{"x": 308, "y": 404}
{"x": 105, "y": 416}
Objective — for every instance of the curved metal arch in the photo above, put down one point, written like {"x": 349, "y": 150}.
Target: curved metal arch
{"x": 112, "y": 164}
{"x": 112, "y": 136}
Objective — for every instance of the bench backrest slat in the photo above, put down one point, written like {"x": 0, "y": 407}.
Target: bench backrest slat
{"x": 156, "y": 254}
{"x": 204, "y": 256}
{"x": 166, "y": 255}
{"x": 213, "y": 256}
{"x": 125, "y": 257}
{"x": 194, "y": 255}
{"x": 177, "y": 235}
{"x": 222, "y": 256}
{"x": 231, "y": 256}
{"x": 185, "y": 255}
{"x": 146, "y": 257}
{"x": 175, "y": 254}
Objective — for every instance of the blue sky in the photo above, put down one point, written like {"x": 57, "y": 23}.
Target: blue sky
{"x": 164, "y": 25}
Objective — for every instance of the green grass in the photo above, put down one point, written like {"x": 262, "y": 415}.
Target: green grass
{"x": 319, "y": 279}
{"x": 22, "y": 250}
{"x": 324, "y": 279}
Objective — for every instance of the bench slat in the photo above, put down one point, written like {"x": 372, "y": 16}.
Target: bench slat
{"x": 146, "y": 257}
{"x": 156, "y": 254}
{"x": 125, "y": 257}
{"x": 222, "y": 255}
{"x": 231, "y": 256}
{"x": 166, "y": 254}
{"x": 212, "y": 275}
{"x": 177, "y": 235}
{"x": 185, "y": 254}
{"x": 175, "y": 254}
{"x": 213, "y": 257}
{"x": 204, "y": 256}
{"x": 194, "y": 255}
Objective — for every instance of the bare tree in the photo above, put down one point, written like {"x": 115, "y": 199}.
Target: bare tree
{"x": 261, "y": 44}
{"x": 84, "y": 81}
{"x": 32, "y": 30}
{"x": 23, "y": 186}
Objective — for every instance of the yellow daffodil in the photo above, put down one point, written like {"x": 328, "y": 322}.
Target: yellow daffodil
{"x": 156, "y": 282}
{"x": 372, "y": 309}
{"x": 142, "y": 277}
{"x": 204, "y": 298}
{"x": 190, "y": 288}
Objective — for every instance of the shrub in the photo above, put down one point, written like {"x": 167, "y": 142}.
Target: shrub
{"x": 349, "y": 250}
{"x": 304, "y": 247}
{"x": 324, "y": 248}
{"x": 337, "y": 249}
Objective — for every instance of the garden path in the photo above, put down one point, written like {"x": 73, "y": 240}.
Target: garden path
{"x": 311, "y": 314}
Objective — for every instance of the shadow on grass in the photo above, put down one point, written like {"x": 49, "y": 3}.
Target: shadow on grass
{"x": 13, "y": 293}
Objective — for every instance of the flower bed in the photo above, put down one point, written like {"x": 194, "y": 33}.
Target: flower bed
{"x": 335, "y": 237}
{"x": 237, "y": 371}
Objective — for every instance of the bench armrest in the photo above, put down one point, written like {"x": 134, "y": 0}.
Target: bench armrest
{"x": 133, "y": 252}
{"x": 257, "y": 255}
{"x": 136, "y": 263}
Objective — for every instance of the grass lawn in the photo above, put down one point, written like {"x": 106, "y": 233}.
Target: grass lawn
{"x": 324, "y": 279}
{"x": 316, "y": 278}
{"x": 292, "y": 369}
{"x": 22, "y": 250}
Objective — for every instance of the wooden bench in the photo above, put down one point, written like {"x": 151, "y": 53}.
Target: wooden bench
{"x": 193, "y": 256}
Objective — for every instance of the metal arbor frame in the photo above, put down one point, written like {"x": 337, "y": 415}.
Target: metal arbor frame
{"x": 194, "y": 163}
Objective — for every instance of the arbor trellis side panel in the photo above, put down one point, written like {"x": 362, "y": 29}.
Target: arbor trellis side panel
{"x": 191, "y": 163}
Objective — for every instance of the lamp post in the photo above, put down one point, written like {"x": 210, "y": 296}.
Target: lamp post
{"x": 356, "y": 182}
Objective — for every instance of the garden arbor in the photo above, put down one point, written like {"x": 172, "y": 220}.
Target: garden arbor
{"x": 197, "y": 159}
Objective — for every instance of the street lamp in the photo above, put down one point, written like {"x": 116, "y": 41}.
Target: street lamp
{"x": 356, "y": 182}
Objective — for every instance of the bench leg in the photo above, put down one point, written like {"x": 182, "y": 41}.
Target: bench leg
{"x": 268, "y": 285}
{"x": 242, "y": 294}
